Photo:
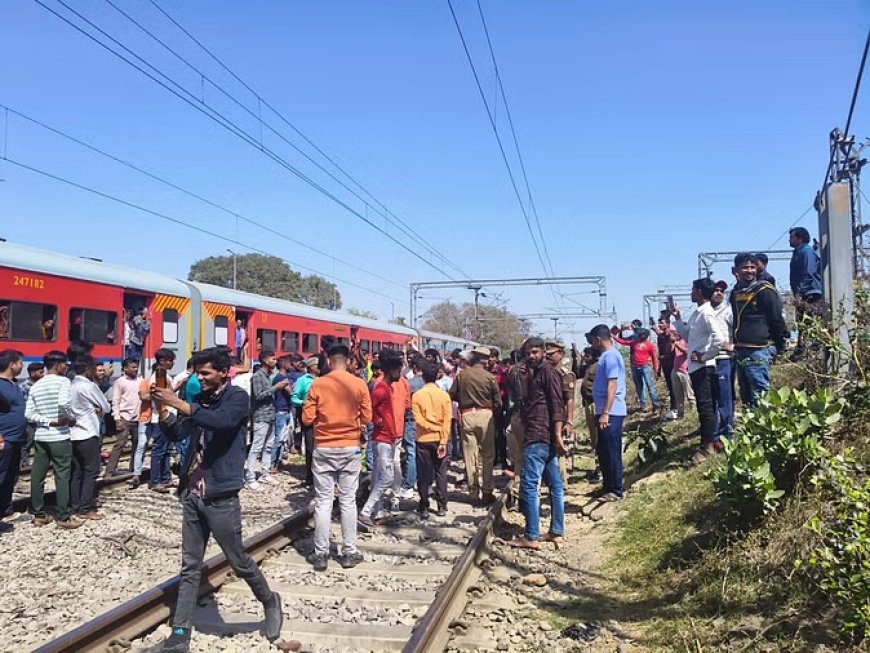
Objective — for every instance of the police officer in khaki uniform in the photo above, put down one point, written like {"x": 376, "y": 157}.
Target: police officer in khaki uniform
{"x": 479, "y": 399}
{"x": 555, "y": 353}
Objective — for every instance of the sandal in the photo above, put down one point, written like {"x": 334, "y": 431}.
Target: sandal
{"x": 552, "y": 537}
{"x": 523, "y": 543}
{"x": 699, "y": 457}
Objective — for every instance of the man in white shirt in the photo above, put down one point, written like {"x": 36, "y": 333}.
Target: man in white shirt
{"x": 88, "y": 406}
{"x": 705, "y": 339}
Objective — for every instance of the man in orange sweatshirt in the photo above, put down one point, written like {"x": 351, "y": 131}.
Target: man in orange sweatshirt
{"x": 338, "y": 406}
{"x": 433, "y": 412}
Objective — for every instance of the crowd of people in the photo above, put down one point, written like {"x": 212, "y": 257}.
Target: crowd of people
{"x": 402, "y": 416}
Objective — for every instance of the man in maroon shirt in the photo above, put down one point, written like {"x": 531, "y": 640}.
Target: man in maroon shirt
{"x": 665, "y": 345}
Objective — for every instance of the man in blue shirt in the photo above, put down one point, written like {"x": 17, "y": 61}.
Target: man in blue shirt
{"x": 283, "y": 411}
{"x": 12, "y": 428}
{"x": 608, "y": 392}
{"x": 805, "y": 276}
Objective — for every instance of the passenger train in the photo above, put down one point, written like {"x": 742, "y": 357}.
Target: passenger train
{"x": 49, "y": 299}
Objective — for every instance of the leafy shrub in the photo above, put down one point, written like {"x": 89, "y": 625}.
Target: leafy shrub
{"x": 777, "y": 439}
{"x": 840, "y": 563}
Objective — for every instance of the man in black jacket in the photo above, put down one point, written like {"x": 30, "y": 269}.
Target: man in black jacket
{"x": 212, "y": 474}
{"x": 758, "y": 327}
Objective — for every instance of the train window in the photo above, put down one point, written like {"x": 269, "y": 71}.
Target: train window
{"x": 268, "y": 339}
{"x": 343, "y": 341}
{"x": 309, "y": 343}
{"x": 221, "y": 330}
{"x": 364, "y": 346}
{"x": 27, "y": 321}
{"x": 170, "y": 326}
{"x": 376, "y": 346}
{"x": 289, "y": 342}
{"x": 94, "y": 326}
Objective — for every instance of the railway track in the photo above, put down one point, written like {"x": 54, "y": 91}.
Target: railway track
{"x": 405, "y": 595}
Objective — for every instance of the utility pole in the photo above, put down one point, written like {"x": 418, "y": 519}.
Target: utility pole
{"x": 555, "y": 327}
{"x": 235, "y": 269}
{"x": 477, "y": 294}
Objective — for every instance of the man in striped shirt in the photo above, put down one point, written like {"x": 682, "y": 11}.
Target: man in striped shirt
{"x": 48, "y": 407}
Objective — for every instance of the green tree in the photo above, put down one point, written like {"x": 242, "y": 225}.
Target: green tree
{"x": 489, "y": 325}
{"x": 369, "y": 315}
{"x": 266, "y": 275}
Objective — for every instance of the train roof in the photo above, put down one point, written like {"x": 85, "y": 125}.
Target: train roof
{"x": 425, "y": 333}
{"x": 242, "y": 299}
{"x": 65, "y": 265}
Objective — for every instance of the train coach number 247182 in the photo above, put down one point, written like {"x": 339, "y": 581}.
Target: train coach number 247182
{"x": 28, "y": 282}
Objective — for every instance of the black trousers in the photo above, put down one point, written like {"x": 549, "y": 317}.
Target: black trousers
{"x": 200, "y": 520}
{"x": 10, "y": 464}
{"x": 85, "y": 469}
{"x": 298, "y": 430}
{"x": 129, "y": 432}
{"x": 706, "y": 388}
{"x": 308, "y": 434}
{"x": 667, "y": 368}
{"x": 430, "y": 466}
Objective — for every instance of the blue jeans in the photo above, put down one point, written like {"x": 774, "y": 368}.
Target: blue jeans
{"x": 642, "y": 376}
{"x": 160, "y": 460}
{"x": 282, "y": 419}
{"x": 610, "y": 454}
{"x": 146, "y": 432}
{"x": 410, "y": 438}
{"x": 455, "y": 440}
{"x": 753, "y": 374}
{"x": 540, "y": 460}
{"x": 725, "y": 412}
{"x": 370, "y": 448}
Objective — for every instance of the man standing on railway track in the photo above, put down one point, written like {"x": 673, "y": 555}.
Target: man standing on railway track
{"x": 126, "y": 404}
{"x": 48, "y": 406}
{"x": 544, "y": 418}
{"x": 432, "y": 410}
{"x": 160, "y": 451}
{"x": 479, "y": 399}
{"x": 386, "y": 436}
{"x": 263, "y": 401}
{"x": 300, "y": 394}
{"x": 13, "y": 427}
{"x": 212, "y": 474}
{"x": 338, "y": 406}
{"x": 88, "y": 406}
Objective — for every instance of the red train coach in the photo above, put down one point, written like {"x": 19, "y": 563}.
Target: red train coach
{"x": 48, "y": 299}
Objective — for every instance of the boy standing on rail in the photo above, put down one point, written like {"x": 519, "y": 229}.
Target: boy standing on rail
{"x": 212, "y": 474}
{"x": 433, "y": 412}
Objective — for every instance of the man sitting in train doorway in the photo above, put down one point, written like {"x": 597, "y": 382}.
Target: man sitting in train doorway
{"x": 212, "y": 474}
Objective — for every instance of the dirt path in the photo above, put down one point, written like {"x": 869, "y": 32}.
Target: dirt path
{"x": 525, "y": 598}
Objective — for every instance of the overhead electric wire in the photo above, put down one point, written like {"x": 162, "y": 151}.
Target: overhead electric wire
{"x": 178, "y": 221}
{"x": 261, "y": 100}
{"x": 498, "y": 139}
{"x": 532, "y": 208}
{"x": 190, "y": 193}
{"x": 785, "y": 233}
{"x": 224, "y": 122}
{"x": 851, "y": 108}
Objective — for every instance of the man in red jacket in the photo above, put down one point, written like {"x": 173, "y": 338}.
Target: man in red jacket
{"x": 386, "y": 438}
{"x": 644, "y": 365}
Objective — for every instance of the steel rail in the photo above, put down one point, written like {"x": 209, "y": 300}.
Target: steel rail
{"x": 148, "y": 610}
{"x": 431, "y": 633}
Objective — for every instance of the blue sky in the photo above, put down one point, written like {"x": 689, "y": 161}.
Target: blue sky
{"x": 650, "y": 132}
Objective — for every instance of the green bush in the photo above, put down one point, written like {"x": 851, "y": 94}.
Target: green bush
{"x": 840, "y": 563}
{"x": 776, "y": 441}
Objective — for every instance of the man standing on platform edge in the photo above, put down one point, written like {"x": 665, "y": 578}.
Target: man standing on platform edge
{"x": 212, "y": 475}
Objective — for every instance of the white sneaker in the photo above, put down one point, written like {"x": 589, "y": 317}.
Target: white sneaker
{"x": 254, "y": 486}
{"x": 671, "y": 415}
{"x": 268, "y": 480}
{"x": 405, "y": 493}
